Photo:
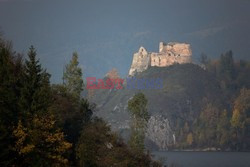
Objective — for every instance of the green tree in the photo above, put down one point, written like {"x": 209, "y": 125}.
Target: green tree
{"x": 10, "y": 75}
{"x": 223, "y": 130}
{"x": 137, "y": 107}
{"x": 72, "y": 77}
{"x": 226, "y": 66}
{"x": 204, "y": 60}
{"x": 226, "y": 72}
{"x": 98, "y": 146}
{"x": 71, "y": 115}
{"x": 38, "y": 141}
{"x": 208, "y": 121}
{"x": 35, "y": 92}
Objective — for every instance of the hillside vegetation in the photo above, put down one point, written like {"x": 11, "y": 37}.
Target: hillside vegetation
{"x": 53, "y": 125}
{"x": 204, "y": 103}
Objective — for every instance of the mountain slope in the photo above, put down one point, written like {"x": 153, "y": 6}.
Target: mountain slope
{"x": 185, "y": 89}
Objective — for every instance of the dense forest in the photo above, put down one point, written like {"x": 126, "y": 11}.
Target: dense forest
{"x": 44, "y": 124}
{"x": 224, "y": 121}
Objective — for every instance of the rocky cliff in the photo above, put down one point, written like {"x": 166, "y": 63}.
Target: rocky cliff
{"x": 160, "y": 132}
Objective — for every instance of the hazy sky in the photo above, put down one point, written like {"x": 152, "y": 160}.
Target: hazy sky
{"x": 106, "y": 33}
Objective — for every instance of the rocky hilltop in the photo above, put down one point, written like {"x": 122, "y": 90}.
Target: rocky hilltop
{"x": 178, "y": 102}
{"x": 169, "y": 54}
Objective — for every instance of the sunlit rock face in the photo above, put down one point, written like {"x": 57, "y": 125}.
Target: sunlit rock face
{"x": 160, "y": 132}
{"x": 169, "y": 54}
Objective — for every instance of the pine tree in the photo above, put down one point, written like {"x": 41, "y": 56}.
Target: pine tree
{"x": 226, "y": 66}
{"x": 226, "y": 71}
{"x": 35, "y": 95}
{"x": 38, "y": 141}
{"x": 72, "y": 77}
{"x": 204, "y": 60}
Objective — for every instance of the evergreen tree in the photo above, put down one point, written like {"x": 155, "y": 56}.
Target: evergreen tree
{"x": 137, "y": 107}
{"x": 71, "y": 115}
{"x": 99, "y": 146}
{"x": 10, "y": 71}
{"x": 72, "y": 77}
{"x": 204, "y": 60}
{"x": 35, "y": 95}
{"x": 227, "y": 71}
{"x": 38, "y": 141}
{"x": 226, "y": 66}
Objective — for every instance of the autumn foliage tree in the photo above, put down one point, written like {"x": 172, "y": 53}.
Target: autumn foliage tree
{"x": 40, "y": 124}
{"x": 113, "y": 74}
{"x": 241, "y": 118}
{"x": 38, "y": 141}
{"x": 41, "y": 143}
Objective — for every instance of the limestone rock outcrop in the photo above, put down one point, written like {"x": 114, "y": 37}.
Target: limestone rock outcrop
{"x": 160, "y": 132}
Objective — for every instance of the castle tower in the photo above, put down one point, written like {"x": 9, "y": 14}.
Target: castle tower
{"x": 161, "y": 46}
{"x": 140, "y": 62}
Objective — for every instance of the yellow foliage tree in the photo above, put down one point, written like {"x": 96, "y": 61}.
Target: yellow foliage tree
{"x": 40, "y": 143}
{"x": 240, "y": 119}
{"x": 190, "y": 139}
{"x": 241, "y": 109}
{"x": 236, "y": 120}
{"x": 113, "y": 74}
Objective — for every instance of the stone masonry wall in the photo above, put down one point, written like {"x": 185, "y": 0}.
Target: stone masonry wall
{"x": 141, "y": 61}
{"x": 169, "y": 54}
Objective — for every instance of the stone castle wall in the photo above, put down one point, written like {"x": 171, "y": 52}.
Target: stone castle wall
{"x": 141, "y": 61}
{"x": 169, "y": 54}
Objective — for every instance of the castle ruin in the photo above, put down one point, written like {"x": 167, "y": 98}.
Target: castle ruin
{"x": 169, "y": 54}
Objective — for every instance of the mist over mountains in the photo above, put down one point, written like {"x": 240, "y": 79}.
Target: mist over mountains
{"x": 106, "y": 34}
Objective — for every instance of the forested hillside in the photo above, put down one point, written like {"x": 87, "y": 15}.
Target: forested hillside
{"x": 207, "y": 105}
{"x": 53, "y": 125}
